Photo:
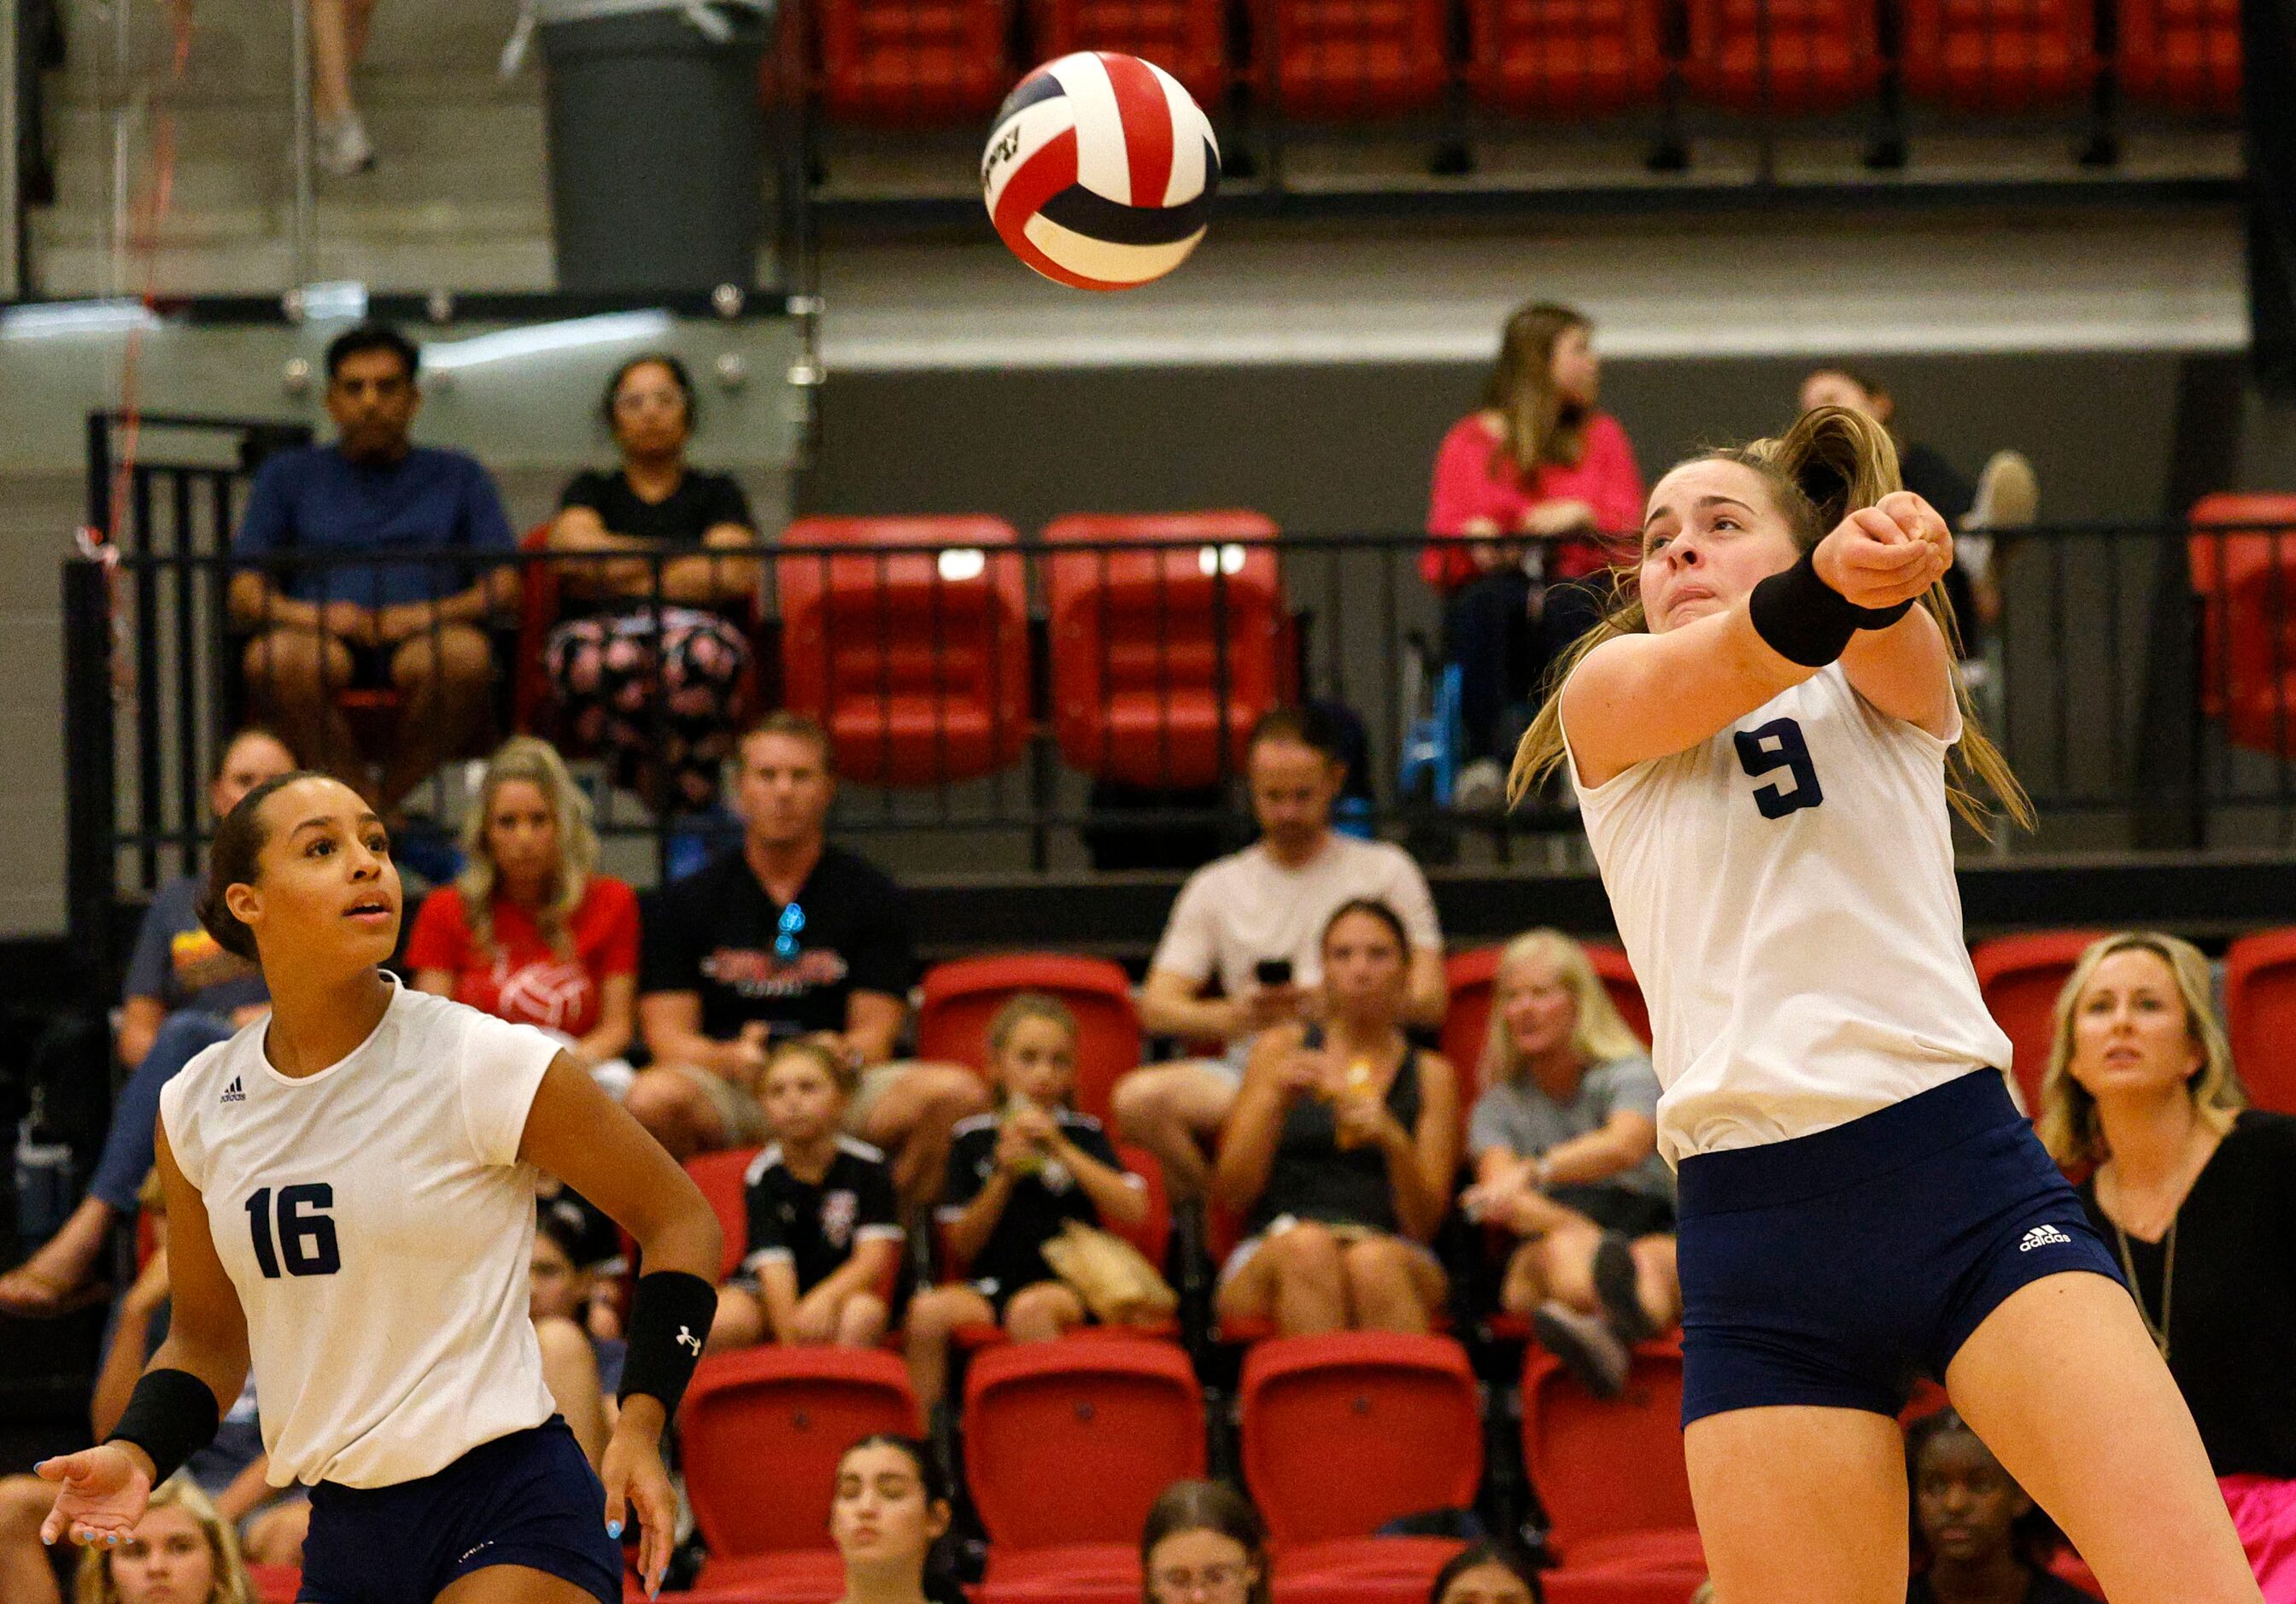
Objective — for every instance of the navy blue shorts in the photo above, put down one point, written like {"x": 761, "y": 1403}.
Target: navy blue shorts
{"x": 1836, "y": 1268}
{"x": 527, "y": 1499}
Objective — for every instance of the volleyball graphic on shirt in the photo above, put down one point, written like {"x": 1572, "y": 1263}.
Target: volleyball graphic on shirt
{"x": 551, "y": 994}
{"x": 1100, "y": 171}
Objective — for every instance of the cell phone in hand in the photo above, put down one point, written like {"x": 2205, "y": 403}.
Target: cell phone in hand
{"x": 1272, "y": 972}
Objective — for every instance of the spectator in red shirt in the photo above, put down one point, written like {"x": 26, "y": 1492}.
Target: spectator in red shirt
{"x": 1533, "y": 479}
{"x": 532, "y": 933}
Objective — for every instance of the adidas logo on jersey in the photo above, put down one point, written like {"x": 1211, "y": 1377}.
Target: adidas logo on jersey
{"x": 231, "y": 1094}
{"x": 2042, "y": 1236}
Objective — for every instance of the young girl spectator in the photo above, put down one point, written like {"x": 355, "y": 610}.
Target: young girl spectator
{"x": 1341, "y": 1152}
{"x": 630, "y": 646}
{"x": 582, "y": 1370}
{"x": 825, "y": 1227}
{"x": 181, "y": 1553}
{"x": 889, "y": 1512}
{"x": 1534, "y": 477}
{"x": 1985, "y": 1541}
{"x": 531, "y": 932}
{"x": 1015, "y": 1176}
{"x": 1564, "y": 1139}
{"x": 1487, "y": 1572}
{"x": 1203, "y": 1544}
{"x": 184, "y": 993}
{"x": 2196, "y": 1193}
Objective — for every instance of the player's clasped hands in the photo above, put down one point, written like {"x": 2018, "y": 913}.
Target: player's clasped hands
{"x": 103, "y": 1498}
{"x": 1890, "y": 552}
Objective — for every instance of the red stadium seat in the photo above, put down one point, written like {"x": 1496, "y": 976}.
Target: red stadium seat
{"x": 913, "y": 64}
{"x": 2242, "y": 552}
{"x": 762, "y": 1431}
{"x": 1187, "y": 38}
{"x": 2260, "y": 1016}
{"x": 275, "y": 1584}
{"x": 961, "y": 997}
{"x": 1160, "y": 652}
{"x": 2180, "y": 53}
{"x": 1611, "y": 1475}
{"x": 1343, "y": 1433}
{"x": 2000, "y": 55}
{"x": 916, "y": 662}
{"x": 1472, "y": 976}
{"x": 1566, "y": 58}
{"x": 1066, "y": 1444}
{"x": 723, "y": 1179}
{"x": 1784, "y": 55}
{"x": 1349, "y": 59}
{"x": 807, "y": 1576}
{"x": 2020, "y": 976}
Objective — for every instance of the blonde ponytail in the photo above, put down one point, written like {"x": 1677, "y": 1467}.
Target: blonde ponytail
{"x": 1831, "y": 461}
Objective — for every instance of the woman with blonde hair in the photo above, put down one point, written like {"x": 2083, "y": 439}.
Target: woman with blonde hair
{"x": 2197, "y": 1193}
{"x": 1765, "y": 738}
{"x": 531, "y": 932}
{"x": 181, "y": 1553}
{"x": 1564, "y": 1139}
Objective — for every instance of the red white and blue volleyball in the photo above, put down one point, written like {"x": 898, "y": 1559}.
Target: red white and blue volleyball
{"x": 1100, "y": 171}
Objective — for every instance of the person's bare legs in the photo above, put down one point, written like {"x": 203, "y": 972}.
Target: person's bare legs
{"x": 2064, "y": 1387}
{"x": 515, "y": 1584}
{"x": 443, "y": 678}
{"x": 1295, "y": 1279}
{"x": 339, "y": 35}
{"x": 910, "y": 1120}
{"x": 676, "y": 1113}
{"x": 1174, "y": 1110}
{"x": 47, "y": 1283}
{"x": 293, "y": 677}
{"x": 25, "y": 1576}
{"x": 861, "y": 1320}
{"x": 933, "y": 1315}
{"x": 1657, "y": 1284}
{"x": 569, "y": 1370}
{"x": 1041, "y": 1313}
{"x": 740, "y": 1322}
{"x": 1391, "y": 1286}
{"x": 274, "y": 1537}
{"x": 1801, "y": 1505}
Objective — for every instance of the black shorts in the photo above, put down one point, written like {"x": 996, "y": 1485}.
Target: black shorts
{"x": 1620, "y": 1208}
{"x": 527, "y": 1499}
{"x": 1836, "y": 1268}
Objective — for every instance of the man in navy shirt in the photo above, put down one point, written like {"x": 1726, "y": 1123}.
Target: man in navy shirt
{"x": 416, "y": 624}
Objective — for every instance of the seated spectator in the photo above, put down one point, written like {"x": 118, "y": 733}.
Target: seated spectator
{"x": 1535, "y": 479}
{"x": 1564, "y": 1139}
{"x": 181, "y": 1553}
{"x": 888, "y": 1516}
{"x": 1203, "y": 1544}
{"x": 622, "y": 645}
{"x": 184, "y": 993}
{"x": 583, "y": 1372}
{"x": 1252, "y": 922}
{"x": 824, "y": 1226}
{"x": 2194, "y": 1191}
{"x": 1016, "y": 1177}
{"x": 411, "y": 625}
{"x": 1978, "y": 1539}
{"x": 2005, "y": 496}
{"x": 531, "y": 932}
{"x": 1340, "y": 1152}
{"x": 787, "y": 934}
{"x": 1487, "y": 1572}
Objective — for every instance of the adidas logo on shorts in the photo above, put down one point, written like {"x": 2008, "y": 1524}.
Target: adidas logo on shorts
{"x": 2042, "y": 1236}
{"x": 231, "y": 1094}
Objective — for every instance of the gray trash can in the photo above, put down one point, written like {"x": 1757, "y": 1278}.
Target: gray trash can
{"x": 657, "y": 141}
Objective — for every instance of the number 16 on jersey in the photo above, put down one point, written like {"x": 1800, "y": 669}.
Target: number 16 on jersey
{"x": 304, "y": 1240}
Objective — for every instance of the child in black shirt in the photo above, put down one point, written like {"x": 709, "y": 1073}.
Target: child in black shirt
{"x": 1984, "y": 1541}
{"x": 1015, "y": 1176}
{"x": 825, "y": 1232}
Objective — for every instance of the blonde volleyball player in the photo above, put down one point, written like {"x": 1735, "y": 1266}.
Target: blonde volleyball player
{"x": 1759, "y": 741}
{"x": 351, "y": 1189}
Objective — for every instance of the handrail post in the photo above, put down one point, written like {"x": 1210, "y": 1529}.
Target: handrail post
{"x": 90, "y": 746}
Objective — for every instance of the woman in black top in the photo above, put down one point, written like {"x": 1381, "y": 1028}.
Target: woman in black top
{"x": 2198, "y": 1195}
{"x": 628, "y": 645}
{"x": 1341, "y": 1152}
{"x": 1978, "y": 1538}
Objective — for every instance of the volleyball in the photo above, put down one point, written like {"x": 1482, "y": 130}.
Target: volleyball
{"x": 1100, "y": 171}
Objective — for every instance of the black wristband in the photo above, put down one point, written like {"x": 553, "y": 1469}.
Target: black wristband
{"x": 670, "y": 1320}
{"x": 1806, "y": 620}
{"x": 171, "y": 1415}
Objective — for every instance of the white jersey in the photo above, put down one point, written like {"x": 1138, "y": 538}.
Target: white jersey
{"x": 377, "y": 1225}
{"x": 1785, "y": 891}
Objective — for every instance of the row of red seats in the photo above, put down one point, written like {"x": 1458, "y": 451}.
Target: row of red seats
{"x": 919, "y": 62}
{"x": 918, "y": 661}
{"x": 2243, "y": 557}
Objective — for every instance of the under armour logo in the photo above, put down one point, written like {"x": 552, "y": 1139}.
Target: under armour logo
{"x": 686, "y": 1339}
{"x": 2042, "y": 1236}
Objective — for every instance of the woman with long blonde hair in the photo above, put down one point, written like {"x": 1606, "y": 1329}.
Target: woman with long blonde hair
{"x": 1760, "y": 740}
{"x": 531, "y": 932}
{"x": 183, "y": 1551}
{"x": 1564, "y": 1139}
{"x": 2193, "y": 1188}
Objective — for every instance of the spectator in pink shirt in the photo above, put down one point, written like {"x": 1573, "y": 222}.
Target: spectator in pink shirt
{"x": 1535, "y": 480}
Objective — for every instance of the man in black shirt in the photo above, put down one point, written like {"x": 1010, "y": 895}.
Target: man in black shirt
{"x": 786, "y": 936}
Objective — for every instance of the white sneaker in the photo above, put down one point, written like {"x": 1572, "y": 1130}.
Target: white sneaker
{"x": 1480, "y": 786}
{"x": 2008, "y": 496}
{"x": 341, "y": 145}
